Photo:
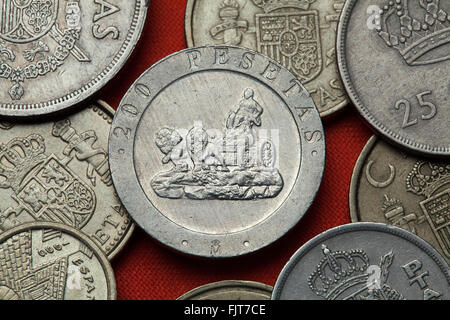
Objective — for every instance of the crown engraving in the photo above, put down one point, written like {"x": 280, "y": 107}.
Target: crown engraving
{"x": 18, "y": 158}
{"x": 271, "y": 5}
{"x": 426, "y": 178}
{"x": 346, "y": 275}
{"x": 417, "y": 36}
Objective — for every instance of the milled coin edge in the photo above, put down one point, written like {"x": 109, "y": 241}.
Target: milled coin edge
{"x": 107, "y": 268}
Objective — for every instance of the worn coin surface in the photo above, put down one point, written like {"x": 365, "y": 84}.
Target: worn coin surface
{"x": 364, "y": 261}
{"x": 58, "y": 171}
{"x": 217, "y": 151}
{"x": 230, "y": 290}
{"x": 394, "y": 58}
{"x": 299, "y": 34}
{"x": 52, "y": 261}
{"x": 397, "y": 188}
{"x": 56, "y": 53}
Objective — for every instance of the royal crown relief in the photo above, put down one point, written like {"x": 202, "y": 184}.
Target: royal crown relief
{"x": 38, "y": 36}
{"x": 431, "y": 182}
{"x": 288, "y": 31}
{"x": 237, "y": 163}
{"x": 44, "y": 186}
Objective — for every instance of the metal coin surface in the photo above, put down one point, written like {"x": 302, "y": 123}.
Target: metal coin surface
{"x": 412, "y": 193}
{"x": 58, "y": 171}
{"x": 55, "y": 53}
{"x": 299, "y": 34}
{"x": 217, "y": 151}
{"x": 52, "y": 261}
{"x": 364, "y": 261}
{"x": 230, "y": 290}
{"x": 394, "y": 58}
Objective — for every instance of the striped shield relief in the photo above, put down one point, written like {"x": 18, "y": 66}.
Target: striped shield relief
{"x": 23, "y": 21}
{"x": 293, "y": 39}
{"x": 54, "y": 193}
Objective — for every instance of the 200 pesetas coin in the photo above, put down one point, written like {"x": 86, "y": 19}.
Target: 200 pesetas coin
{"x": 217, "y": 151}
{"x": 394, "y": 58}
{"x": 299, "y": 34}
{"x": 54, "y": 53}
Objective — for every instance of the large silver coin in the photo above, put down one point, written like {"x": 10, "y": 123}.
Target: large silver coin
{"x": 58, "y": 171}
{"x": 394, "y": 60}
{"x": 299, "y": 34}
{"x": 51, "y": 261}
{"x": 55, "y": 53}
{"x": 364, "y": 261}
{"x": 217, "y": 151}
{"x": 230, "y": 290}
{"x": 393, "y": 187}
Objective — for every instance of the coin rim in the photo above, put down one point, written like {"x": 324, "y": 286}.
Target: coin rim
{"x": 358, "y": 226}
{"x": 104, "y": 262}
{"x": 189, "y": 36}
{"x": 168, "y": 224}
{"x": 132, "y": 225}
{"x": 87, "y": 90}
{"x": 213, "y": 286}
{"x": 342, "y": 58}
{"x": 354, "y": 182}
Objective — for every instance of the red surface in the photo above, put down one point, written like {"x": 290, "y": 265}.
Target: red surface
{"x": 147, "y": 270}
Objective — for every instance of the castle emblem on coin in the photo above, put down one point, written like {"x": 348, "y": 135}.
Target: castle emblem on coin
{"x": 26, "y": 22}
{"x": 417, "y": 38}
{"x": 231, "y": 165}
{"x": 346, "y": 275}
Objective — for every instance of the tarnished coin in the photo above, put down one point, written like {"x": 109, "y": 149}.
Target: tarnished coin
{"x": 230, "y": 290}
{"x": 58, "y": 171}
{"x": 217, "y": 151}
{"x": 299, "y": 34}
{"x": 55, "y": 53}
{"x": 51, "y": 261}
{"x": 364, "y": 261}
{"x": 393, "y": 187}
{"x": 394, "y": 57}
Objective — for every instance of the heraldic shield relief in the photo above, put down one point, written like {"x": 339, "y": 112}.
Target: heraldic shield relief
{"x": 43, "y": 186}
{"x": 26, "y": 20}
{"x": 36, "y": 38}
{"x": 293, "y": 39}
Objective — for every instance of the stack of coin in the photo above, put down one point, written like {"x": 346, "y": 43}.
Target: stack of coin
{"x": 218, "y": 150}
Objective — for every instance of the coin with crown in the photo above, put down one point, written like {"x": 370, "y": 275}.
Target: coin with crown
{"x": 364, "y": 261}
{"x": 393, "y": 56}
{"x": 299, "y": 34}
{"x": 391, "y": 186}
{"x": 57, "y": 171}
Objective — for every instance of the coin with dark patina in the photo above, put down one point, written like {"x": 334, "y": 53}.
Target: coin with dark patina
{"x": 364, "y": 261}
{"x": 394, "y": 57}
{"x": 229, "y": 290}
{"x": 217, "y": 151}
{"x": 55, "y": 53}
{"x": 397, "y": 188}
{"x": 299, "y": 34}
{"x": 58, "y": 171}
{"x": 52, "y": 261}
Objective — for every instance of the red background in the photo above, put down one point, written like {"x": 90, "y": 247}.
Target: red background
{"x": 147, "y": 270}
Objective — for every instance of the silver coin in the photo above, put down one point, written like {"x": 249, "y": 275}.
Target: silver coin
{"x": 217, "y": 151}
{"x": 364, "y": 261}
{"x": 58, "y": 171}
{"x": 299, "y": 34}
{"x": 230, "y": 290}
{"x": 54, "y": 53}
{"x": 394, "y": 62}
{"x": 412, "y": 193}
{"x": 52, "y": 261}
